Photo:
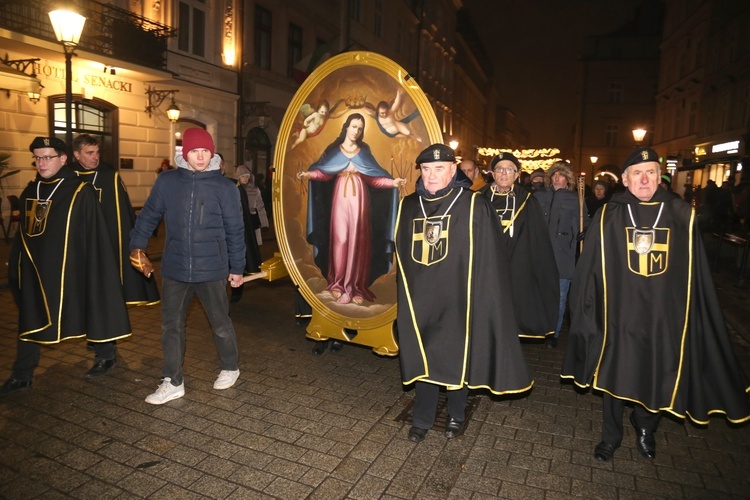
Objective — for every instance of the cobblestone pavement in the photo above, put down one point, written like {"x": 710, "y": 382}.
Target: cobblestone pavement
{"x": 298, "y": 425}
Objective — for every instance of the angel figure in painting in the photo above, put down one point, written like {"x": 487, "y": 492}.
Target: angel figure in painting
{"x": 384, "y": 114}
{"x": 351, "y": 214}
{"x": 313, "y": 122}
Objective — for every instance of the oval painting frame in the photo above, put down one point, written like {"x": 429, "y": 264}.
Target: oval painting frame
{"x": 397, "y": 122}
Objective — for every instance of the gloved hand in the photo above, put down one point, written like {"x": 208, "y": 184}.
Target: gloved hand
{"x": 580, "y": 236}
{"x": 139, "y": 260}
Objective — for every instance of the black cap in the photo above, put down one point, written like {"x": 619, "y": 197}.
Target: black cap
{"x": 436, "y": 152}
{"x": 505, "y": 156}
{"x": 47, "y": 142}
{"x": 640, "y": 155}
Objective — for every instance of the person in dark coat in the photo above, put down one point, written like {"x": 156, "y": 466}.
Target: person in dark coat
{"x": 456, "y": 328}
{"x": 119, "y": 214}
{"x": 533, "y": 272}
{"x": 251, "y": 222}
{"x": 203, "y": 249}
{"x": 560, "y": 207}
{"x": 62, "y": 269}
{"x": 646, "y": 324}
{"x": 599, "y": 196}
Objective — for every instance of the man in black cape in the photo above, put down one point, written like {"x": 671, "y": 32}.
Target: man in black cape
{"x": 62, "y": 270}
{"x": 456, "y": 328}
{"x": 646, "y": 326}
{"x": 533, "y": 272}
{"x": 118, "y": 214}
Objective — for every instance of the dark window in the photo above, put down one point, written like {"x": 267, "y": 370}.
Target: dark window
{"x": 295, "y": 47}
{"x": 615, "y": 92}
{"x": 610, "y": 135}
{"x": 191, "y": 30}
{"x": 262, "y": 37}
{"x": 378, "y": 28}
{"x": 355, "y": 10}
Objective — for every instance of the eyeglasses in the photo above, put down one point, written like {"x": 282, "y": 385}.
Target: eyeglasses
{"x": 44, "y": 158}
{"x": 505, "y": 170}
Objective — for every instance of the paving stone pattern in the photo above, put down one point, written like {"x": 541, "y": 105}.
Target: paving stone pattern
{"x": 298, "y": 425}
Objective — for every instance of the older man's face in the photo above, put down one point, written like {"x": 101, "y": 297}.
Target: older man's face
{"x": 88, "y": 156}
{"x": 505, "y": 174}
{"x": 642, "y": 179}
{"x": 559, "y": 181}
{"x": 436, "y": 175}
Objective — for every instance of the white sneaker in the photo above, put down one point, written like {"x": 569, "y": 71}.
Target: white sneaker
{"x": 166, "y": 392}
{"x": 226, "y": 379}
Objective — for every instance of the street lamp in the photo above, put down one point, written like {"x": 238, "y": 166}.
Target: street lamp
{"x": 156, "y": 97}
{"x": 68, "y": 26}
{"x": 638, "y": 135}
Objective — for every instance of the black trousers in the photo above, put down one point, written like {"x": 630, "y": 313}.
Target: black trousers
{"x": 612, "y": 412}
{"x": 29, "y": 353}
{"x": 426, "y": 400}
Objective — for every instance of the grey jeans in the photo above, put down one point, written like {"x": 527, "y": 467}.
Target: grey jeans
{"x": 175, "y": 299}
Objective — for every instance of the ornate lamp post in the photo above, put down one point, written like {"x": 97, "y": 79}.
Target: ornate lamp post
{"x": 68, "y": 26}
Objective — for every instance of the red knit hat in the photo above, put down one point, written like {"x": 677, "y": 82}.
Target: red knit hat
{"x": 194, "y": 138}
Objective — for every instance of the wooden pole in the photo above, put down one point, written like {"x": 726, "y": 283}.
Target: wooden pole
{"x": 581, "y": 204}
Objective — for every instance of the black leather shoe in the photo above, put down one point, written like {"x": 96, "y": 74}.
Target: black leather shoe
{"x": 320, "y": 347}
{"x": 14, "y": 385}
{"x": 101, "y": 367}
{"x": 453, "y": 428}
{"x": 336, "y": 345}
{"x": 645, "y": 442}
{"x": 605, "y": 451}
{"x": 416, "y": 434}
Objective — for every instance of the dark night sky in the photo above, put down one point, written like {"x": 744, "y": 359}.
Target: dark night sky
{"x": 534, "y": 46}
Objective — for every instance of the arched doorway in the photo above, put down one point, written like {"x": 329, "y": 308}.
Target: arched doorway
{"x": 258, "y": 151}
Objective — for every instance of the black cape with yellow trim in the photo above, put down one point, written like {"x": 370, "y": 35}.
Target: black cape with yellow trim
{"x": 646, "y": 325}
{"x": 455, "y": 327}
{"x": 62, "y": 270}
{"x": 533, "y": 272}
{"x": 120, "y": 218}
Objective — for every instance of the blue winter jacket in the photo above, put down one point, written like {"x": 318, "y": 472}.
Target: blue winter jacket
{"x": 205, "y": 232}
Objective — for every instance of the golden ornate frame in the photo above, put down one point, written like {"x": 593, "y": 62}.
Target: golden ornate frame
{"x": 354, "y": 81}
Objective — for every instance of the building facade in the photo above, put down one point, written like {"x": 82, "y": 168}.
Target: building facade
{"x": 230, "y": 66}
{"x": 172, "y": 50}
{"x": 617, "y": 84}
{"x": 703, "y": 103}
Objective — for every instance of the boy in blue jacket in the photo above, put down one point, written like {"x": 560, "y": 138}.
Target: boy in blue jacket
{"x": 204, "y": 248}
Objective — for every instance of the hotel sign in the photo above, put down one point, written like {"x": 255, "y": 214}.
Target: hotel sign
{"x": 93, "y": 80}
{"x": 108, "y": 83}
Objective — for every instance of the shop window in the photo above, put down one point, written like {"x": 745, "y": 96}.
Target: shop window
{"x": 191, "y": 27}
{"x": 95, "y": 117}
